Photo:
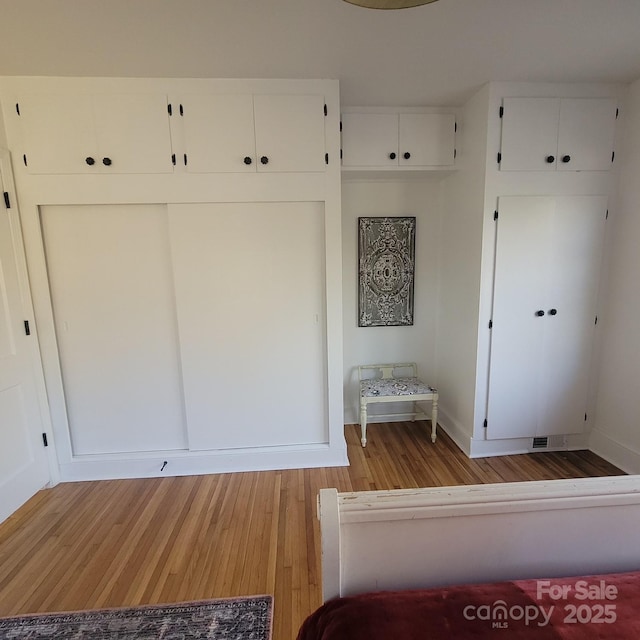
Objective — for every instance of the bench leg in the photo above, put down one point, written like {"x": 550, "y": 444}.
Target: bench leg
{"x": 363, "y": 423}
{"x": 434, "y": 417}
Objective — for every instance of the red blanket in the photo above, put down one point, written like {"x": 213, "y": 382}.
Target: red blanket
{"x": 606, "y": 606}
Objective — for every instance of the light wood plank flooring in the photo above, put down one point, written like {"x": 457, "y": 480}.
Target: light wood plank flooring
{"x": 128, "y": 542}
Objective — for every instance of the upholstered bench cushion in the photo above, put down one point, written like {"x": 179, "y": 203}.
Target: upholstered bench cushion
{"x": 393, "y": 387}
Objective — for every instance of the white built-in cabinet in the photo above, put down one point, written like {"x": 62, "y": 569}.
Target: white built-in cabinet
{"x": 95, "y": 133}
{"x": 563, "y": 134}
{"x": 190, "y": 318}
{"x": 251, "y": 132}
{"x": 547, "y": 264}
{"x": 397, "y": 140}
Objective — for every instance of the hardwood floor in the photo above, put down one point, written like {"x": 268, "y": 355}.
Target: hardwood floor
{"x": 127, "y": 542}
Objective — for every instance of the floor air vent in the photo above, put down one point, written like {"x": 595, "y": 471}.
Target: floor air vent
{"x": 549, "y": 442}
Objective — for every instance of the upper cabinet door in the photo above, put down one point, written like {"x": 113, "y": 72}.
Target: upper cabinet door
{"x": 84, "y": 133}
{"x": 133, "y": 133}
{"x": 586, "y": 134}
{"x": 426, "y": 139}
{"x": 290, "y": 132}
{"x": 219, "y": 134}
{"x": 530, "y": 134}
{"x": 369, "y": 140}
{"x": 58, "y": 133}
{"x": 567, "y": 134}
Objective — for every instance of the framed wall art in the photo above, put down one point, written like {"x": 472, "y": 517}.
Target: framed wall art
{"x": 386, "y": 263}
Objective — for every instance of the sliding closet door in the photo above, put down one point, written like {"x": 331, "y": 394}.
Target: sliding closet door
{"x": 113, "y": 301}
{"x": 250, "y": 296}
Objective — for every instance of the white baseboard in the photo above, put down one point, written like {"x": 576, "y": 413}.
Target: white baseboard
{"x": 184, "y": 463}
{"x": 454, "y": 430}
{"x": 612, "y": 451}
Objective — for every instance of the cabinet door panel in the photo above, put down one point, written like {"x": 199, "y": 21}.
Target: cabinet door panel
{"x": 219, "y": 133}
{"x": 520, "y": 289}
{"x": 576, "y": 254}
{"x": 529, "y": 134}
{"x": 58, "y": 133}
{"x": 114, "y": 312}
{"x": 368, "y": 139}
{"x": 252, "y": 328}
{"x": 586, "y": 134}
{"x": 428, "y": 137}
{"x": 133, "y": 133}
{"x": 290, "y": 132}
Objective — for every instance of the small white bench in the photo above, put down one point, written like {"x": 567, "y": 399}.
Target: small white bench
{"x": 388, "y": 388}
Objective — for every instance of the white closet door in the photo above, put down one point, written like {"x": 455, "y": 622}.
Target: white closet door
{"x": 219, "y": 133}
{"x": 586, "y": 133}
{"x": 114, "y": 308}
{"x": 576, "y": 252}
{"x": 250, "y": 289}
{"x": 370, "y": 139}
{"x": 529, "y": 134}
{"x": 520, "y": 291}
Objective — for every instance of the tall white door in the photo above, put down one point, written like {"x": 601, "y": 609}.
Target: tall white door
{"x": 23, "y": 462}
{"x": 112, "y": 292}
{"x": 548, "y": 257}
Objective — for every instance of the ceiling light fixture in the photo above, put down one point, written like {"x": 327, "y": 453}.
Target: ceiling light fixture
{"x": 389, "y": 4}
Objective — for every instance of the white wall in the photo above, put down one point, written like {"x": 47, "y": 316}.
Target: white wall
{"x": 460, "y": 255}
{"x": 616, "y": 434}
{"x": 371, "y": 345}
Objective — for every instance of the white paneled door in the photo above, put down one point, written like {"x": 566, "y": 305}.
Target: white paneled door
{"x": 23, "y": 462}
{"x": 250, "y": 291}
{"x": 548, "y": 257}
{"x": 114, "y": 310}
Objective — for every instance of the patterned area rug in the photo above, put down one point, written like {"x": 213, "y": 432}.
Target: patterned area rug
{"x": 247, "y": 618}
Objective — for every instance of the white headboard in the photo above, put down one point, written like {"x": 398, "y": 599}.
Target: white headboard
{"x": 419, "y": 538}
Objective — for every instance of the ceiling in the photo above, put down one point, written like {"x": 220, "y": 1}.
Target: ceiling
{"x": 437, "y": 54}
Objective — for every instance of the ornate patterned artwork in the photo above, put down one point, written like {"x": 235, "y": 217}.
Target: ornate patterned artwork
{"x": 386, "y": 257}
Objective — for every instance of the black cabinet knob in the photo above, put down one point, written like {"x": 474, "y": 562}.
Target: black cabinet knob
{"x": 406, "y": 155}
{"x": 90, "y": 161}
{"x": 247, "y": 160}
{"x": 566, "y": 159}
{"x": 106, "y": 162}
{"x": 550, "y": 159}
{"x": 392, "y": 155}
{"x": 539, "y": 313}
{"x": 553, "y": 312}
{"x": 264, "y": 160}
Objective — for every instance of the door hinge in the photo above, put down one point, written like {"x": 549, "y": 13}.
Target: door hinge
{"x": 490, "y": 324}
{"x": 7, "y": 202}
{"x": 499, "y": 157}
{"x": 27, "y": 328}
{"x": 501, "y": 111}
{"x": 326, "y": 158}
{"x": 606, "y": 215}
{"x": 585, "y": 417}
{"x": 169, "y": 109}
{"x": 340, "y": 154}
{"x": 485, "y": 423}
{"x": 596, "y": 322}
{"x": 18, "y": 108}
{"x": 24, "y": 159}
{"x": 455, "y": 127}
{"x": 185, "y": 159}
{"x": 495, "y": 214}
{"x": 617, "y": 113}
{"x": 340, "y": 126}
{"x": 173, "y": 159}
{"x": 455, "y": 153}
{"x": 44, "y": 440}
{"x": 613, "y": 155}
{"x": 181, "y": 110}
{"x": 325, "y": 110}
